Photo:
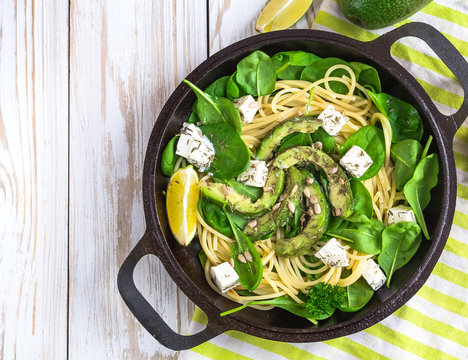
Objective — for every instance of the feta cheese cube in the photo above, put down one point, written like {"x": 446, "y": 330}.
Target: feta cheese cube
{"x": 247, "y": 107}
{"x": 224, "y": 276}
{"x": 373, "y": 274}
{"x": 195, "y": 147}
{"x": 356, "y": 161}
{"x": 255, "y": 175}
{"x": 400, "y": 213}
{"x": 333, "y": 254}
{"x": 333, "y": 120}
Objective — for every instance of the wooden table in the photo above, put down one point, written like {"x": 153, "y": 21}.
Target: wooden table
{"x": 81, "y": 85}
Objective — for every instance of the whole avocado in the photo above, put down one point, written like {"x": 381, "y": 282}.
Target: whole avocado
{"x": 376, "y": 14}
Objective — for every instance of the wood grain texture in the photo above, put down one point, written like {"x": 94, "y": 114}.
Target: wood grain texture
{"x": 126, "y": 58}
{"x": 33, "y": 179}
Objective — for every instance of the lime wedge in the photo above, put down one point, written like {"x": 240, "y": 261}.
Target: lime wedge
{"x": 281, "y": 14}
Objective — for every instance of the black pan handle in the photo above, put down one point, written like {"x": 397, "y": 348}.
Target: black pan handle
{"x": 446, "y": 52}
{"x": 144, "y": 312}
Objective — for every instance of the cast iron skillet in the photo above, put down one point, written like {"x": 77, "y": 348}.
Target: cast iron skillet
{"x": 182, "y": 262}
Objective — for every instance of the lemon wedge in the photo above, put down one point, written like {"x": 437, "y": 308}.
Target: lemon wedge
{"x": 181, "y": 204}
{"x": 281, "y": 14}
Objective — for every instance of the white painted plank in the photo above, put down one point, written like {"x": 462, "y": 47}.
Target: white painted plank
{"x": 33, "y": 179}
{"x": 126, "y": 58}
{"x": 234, "y": 20}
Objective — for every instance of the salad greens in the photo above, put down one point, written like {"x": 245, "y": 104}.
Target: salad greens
{"x": 328, "y": 141}
{"x": 256, "y": 74}
{"x": 363, "y": 207}
{"x": 216, "y": 110}
{"x": 403, "y": 117}
{"x": 366, "y": 75}
{"x": 319, "y": 68}
{"x": 169, "y": 157}
{"x": 358, "y": 294}
{"x": 218, "y": 87}
{"x": 400, "y": 241}
{"x": 247, "y": 261}
{"x": 371, "y": 140}
{"x": 295, "y": 139}
{"x": 405, "y": 155}
{"x": 290, "y": 64}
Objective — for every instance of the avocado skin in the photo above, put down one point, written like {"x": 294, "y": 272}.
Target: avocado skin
{"x": 376, "y": 14}
{"x": 304, "y": 124}
{"x": 226, "y": 196}
{"x": 339, "y": 189}
{"x": 269, "y": 222}
{"x": 314, "y": 228}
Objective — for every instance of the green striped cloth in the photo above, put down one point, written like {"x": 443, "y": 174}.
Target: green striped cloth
{"x": 433, "y": 324}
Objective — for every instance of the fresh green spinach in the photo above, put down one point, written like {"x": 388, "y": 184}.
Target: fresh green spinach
{"x": 366, "y": 75}
{"x": 328, "y": 141}
{"x": 405, "y": 155}
{"x": 319, "y": 68}
{"x": 371, "y": 140}
{"x": 254, "y": 193}
{"x": 250, "y": 271}
{"x": 216, "y": 110}
{"x": 426, "y": 148}
{"x": 295, "y": 139}
{"x": 193, "y": 118}
{"x": 403, "y": 117}
{"x": 169, "y": 157}
{"x": 256, "y": 74}
{"x": 232, "y": 156}
{"x": 418, "y": 189}
{"x": 214, "y": 216}
{"x": 400, "y": 241}
{"x": 358, "y": 294}
{"x": 293, "y": 225}
{"x": 363, "y": 206}
{"x": 218, "y": 87}
{"x": 290, "y": 64}
{"x": 202, "y": 257}
{"x": 233, "y": 89}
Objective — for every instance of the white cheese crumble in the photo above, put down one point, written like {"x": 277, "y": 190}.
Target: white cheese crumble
{"x": 224, "y": 276}
{"x": 195, "y": 147}
{"x": 400, "y": 213}
{"x": 247, "y": 107}
{"x": 333, "y": 120}
{"x": 356, "y": 161}
{"x": 373, "y": 274}
{"x": 255, "y": 175}
{"x": 333, "y": 254}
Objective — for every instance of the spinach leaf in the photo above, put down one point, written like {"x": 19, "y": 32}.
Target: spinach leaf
{"x": 214, "y": 216}
{"x": 283, "y": 302}
{"x": 290, "y": 64}
{"x": 202, "y": 257}
{"x": 218, "y": 87}
{"x": 366, "y": 75}
{"x": 418, "y": 189}
{"x": 426, "y": 148}
{"x": 250, "y": 272}
{"x": 363, "y": 206}
{"x": 405, "y": 155}
{"x": 169, "y": 157}
{"x": 254, "y": 193}
{"x": 319, "y": 68}
{"x": 358, "y": 294}
{"x": 293, "y": 225}
{"x": 295, "y": 139}
{"x": 193, "y": 118}
{"x": 364, "y": 237}
{"x": 335, "y": 223}
{"x": 371, "y": 140}
{"x": 256, "y": 74}
{"x": 400, "y": 241}
{"x": 233, "y": 89}
{"x": 328, "y": 141}
{"x": 403, "y": 117}
{"x": 231, "y": 154}
{"x": 216, "y": 110}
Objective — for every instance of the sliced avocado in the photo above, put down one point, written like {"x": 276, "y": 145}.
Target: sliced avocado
{"x": 305, "y": 124}
{"x": 241, "y": 204}
{"x": 264, "y": 226}
{"x": 339, "y": 189}
{"x": 315, "y": 226}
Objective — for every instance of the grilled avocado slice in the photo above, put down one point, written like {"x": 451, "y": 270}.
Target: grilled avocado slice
{"x": 225, "y": 195}
{"x": 264, "y": 226}
{"x": 304, "y": 124}
{"x": 339, "y": 189}
{"x": 319, "y": 215}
